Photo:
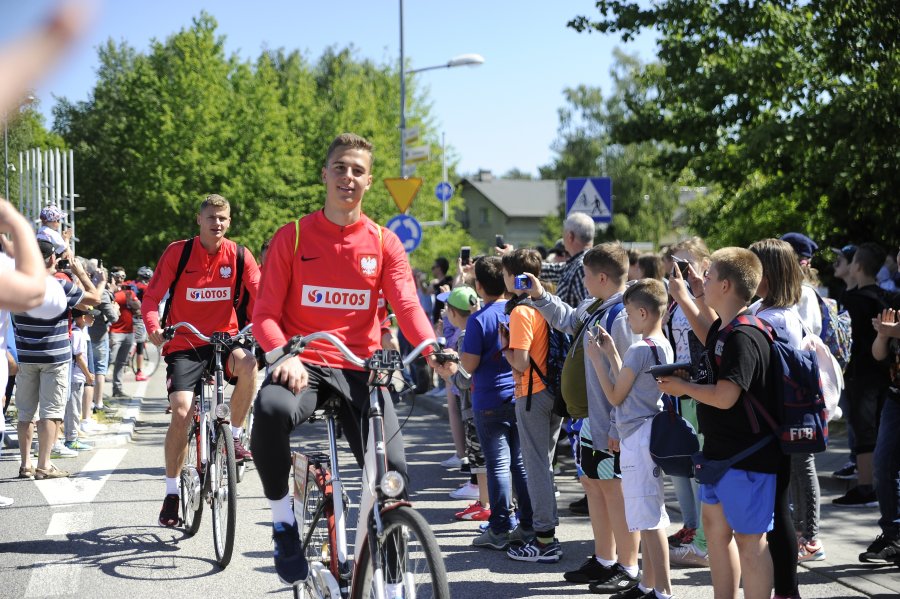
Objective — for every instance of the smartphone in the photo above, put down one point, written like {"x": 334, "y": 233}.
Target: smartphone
{"x": 499, "y": 241}
{"x": 668, "y": 369}
{"x": 682, "y": 265}
{"x": 465, "y": 254}
{"x": 522, "y": 282}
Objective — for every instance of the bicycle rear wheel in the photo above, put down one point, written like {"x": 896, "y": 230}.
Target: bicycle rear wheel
{"x": 223, "y": 491}
{"x": 191, "y": 492}
{"x": 318, "y": 535}
{"x": 410, "y": 555}
{"x": 151, "y": 358}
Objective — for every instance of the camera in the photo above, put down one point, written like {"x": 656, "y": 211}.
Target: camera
{"x": 63, "y": 265}
{"x": 442, "y": 358}
{"x": 522, "y": 282}
{"x": 499, "y": 241}
{"x": 465, "y": 254}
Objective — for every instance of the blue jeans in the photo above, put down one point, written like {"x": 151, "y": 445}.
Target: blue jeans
{"x": 887, "y": 468}
{"x": 499, "y": 436}
{"x": 685, "y": 489}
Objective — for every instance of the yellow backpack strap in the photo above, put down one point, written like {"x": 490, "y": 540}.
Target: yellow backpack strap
{"x": 296, "y": 235}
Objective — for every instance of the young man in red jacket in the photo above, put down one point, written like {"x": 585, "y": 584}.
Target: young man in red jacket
{"x": 203, "y": 296}
{"x": 324, "y": 273}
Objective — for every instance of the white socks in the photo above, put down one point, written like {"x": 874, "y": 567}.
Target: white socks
{"x": 633, "y": 571}
{"x": 171, "y": 486}
{"x": 606, "y": 563}
{"x": 282, "y": 510}
{"x": 236, "y": 431}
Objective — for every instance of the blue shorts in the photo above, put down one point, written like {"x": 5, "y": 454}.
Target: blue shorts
{"x": 747, "y": 498}
{"x": 100, "y": 356}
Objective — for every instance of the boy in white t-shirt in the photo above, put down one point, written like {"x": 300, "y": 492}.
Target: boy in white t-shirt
{"x": 81, "y": 375}
{"x": 636, "y": 399}
{"x": 51, "y": 224}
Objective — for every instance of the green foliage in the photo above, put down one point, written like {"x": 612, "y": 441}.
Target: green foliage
{"x": 164, "y": 129}
{"x": 789, "y": 108}
{"x": 25, "y": 131}
{"x": 643, "y": 203}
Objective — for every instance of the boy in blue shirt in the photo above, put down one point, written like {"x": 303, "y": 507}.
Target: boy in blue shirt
{"x": 493, "y": 407}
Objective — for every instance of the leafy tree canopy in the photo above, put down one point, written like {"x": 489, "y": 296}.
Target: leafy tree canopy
{"x": 164, "y": 129}
{"x": 789, "y": 108}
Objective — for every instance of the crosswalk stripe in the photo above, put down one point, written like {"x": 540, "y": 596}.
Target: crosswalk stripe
{"x": 84, "y": 486}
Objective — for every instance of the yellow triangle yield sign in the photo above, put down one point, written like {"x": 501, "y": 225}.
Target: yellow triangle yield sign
{"x": 403, "y": 190}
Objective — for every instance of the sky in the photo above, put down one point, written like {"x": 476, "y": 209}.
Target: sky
{"x": 497, "y": 116}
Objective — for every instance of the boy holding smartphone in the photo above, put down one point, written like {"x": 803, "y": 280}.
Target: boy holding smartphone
{"x": 636, "y": 399}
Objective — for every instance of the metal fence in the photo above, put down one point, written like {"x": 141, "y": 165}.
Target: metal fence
{"x": 47, "y": 177}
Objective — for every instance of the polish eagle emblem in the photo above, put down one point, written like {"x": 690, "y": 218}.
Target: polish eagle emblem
{"x": 368, "y": 265}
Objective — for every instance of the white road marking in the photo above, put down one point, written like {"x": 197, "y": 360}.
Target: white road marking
{"x": 54, "y": 580}
{"x": 84, "y": 486}
{"x": 66, "y": 523}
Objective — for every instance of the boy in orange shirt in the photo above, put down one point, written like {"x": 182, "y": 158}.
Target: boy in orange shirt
{"x": 526, "y": 351}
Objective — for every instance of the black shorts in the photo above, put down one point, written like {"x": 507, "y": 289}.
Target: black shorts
{"x": 185, "y": 368}
{"x": 866, "y": 401}
{"x": 599, "y": 464}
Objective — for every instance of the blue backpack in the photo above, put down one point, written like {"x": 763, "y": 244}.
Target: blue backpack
{"x": 801, "y": 424}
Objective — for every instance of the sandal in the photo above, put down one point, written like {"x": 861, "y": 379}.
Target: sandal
{"x": 26, "y": 472}
{"x": 51, "y": 472}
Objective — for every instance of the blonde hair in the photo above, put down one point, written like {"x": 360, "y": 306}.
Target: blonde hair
{"x": 648, "y": 293}
{"x": 216, "y": 201}
{"x": 782, "y": 272}
{"x": 739, "y": 266}
{"x": 693, "y": 245}
{"x": 610, "y": 258}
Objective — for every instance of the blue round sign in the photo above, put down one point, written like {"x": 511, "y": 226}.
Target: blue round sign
{"x": 407, "y": 229}
{"x": 443, "y": 191}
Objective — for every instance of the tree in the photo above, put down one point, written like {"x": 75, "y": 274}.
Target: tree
{"x": 162, "y": 130}
{"x": 643, "y": 204}
{"x": 788, "y": 107}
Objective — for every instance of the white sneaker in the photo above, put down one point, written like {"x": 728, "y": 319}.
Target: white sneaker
{"x": 61, "y": 451}
{"x": 465, "y": 491}
{"x": 453, "y": 462}
{"x": 6, "y": 501}
{"x": 89, "y": 426}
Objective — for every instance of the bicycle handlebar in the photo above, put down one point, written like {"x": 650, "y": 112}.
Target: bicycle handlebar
{"x": 169, "y": 332}
{"x": 297, "y": 345}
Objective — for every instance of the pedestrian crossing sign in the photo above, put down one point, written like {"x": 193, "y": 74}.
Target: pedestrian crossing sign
{"x": 591, "y": 195}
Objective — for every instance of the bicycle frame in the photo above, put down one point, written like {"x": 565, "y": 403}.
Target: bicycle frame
{"x": 369, "y": 526}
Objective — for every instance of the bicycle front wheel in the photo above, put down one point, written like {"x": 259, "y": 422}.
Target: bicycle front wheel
{"x": 245, "y": 441}
{"x": 411, "y": 557}
{"x": 223, "y": 490}
{"x": 191, "y": 491}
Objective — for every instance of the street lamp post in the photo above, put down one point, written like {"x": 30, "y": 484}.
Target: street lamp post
{"x": 457, "y": 61}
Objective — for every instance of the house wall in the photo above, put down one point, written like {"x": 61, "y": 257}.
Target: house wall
{"x": 484, "y": 221}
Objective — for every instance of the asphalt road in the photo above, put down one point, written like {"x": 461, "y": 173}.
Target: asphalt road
{"x": 95, "y": 535}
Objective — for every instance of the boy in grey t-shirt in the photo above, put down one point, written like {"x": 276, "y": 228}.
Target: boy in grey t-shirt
{"x": 635, "y": 397}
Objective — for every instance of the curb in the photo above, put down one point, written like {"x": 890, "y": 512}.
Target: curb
{"x": 122, "y": 433}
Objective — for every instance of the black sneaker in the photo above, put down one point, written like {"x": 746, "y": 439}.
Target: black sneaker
{"x": 169, "y": 515}
{"x": 590, "y": 571}
{"x": 857, "y": 498}
{"x": 846, "y": 472}
{"x": 634, "y": 592}
{"x": 579, "y": 507}
{"x": 619, "y": 582}
{"x": 882, "y": 551}
{"x": 290, "y": 563}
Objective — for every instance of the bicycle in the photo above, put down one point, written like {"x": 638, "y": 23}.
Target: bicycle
{"x": 393, "y": 543}
{"x": 205, "y": 477}
{"x": 151, "y": 359}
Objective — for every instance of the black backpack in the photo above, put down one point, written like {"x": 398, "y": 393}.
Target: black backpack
{"x": 240, "y": 299}
{"x": 558, "y": 344}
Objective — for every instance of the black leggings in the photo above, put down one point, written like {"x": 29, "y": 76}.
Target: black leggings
{"x": 277, "y": 411}
{"x": 783, "y": 539}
